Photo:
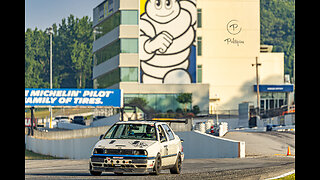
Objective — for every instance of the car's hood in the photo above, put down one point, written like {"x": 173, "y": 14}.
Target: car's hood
{"x": 124, "y": 143}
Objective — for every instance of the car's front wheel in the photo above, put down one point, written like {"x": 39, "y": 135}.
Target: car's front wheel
{"x": 176, "y": 169}
{"x": 157, "y": 165}
{"x": 94, "y": 173}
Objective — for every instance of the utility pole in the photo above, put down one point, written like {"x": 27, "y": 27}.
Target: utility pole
{"x": 50, "y": 32}
{"x": 294, "y": 79}
{"x": 257, "y": 78}
{"x": 32, "y": 120}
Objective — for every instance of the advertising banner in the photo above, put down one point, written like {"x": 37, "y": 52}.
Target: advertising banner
{"x": 167, "y": 41}
{"x": 73, "y": 97}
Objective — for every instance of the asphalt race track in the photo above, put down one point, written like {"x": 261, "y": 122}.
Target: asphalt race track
{"x": 245, "y": 168}
{"x": 265, "y": 143}
{"x": 265, "y": 158}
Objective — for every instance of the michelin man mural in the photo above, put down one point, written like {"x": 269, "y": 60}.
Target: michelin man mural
{"x": 167, "y": 41}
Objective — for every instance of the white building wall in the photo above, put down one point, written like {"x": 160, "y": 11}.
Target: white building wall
{"x": 230, "y": 44}
{"x": 272, "y": 68}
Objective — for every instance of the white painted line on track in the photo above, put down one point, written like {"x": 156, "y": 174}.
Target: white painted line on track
{"x": 283, "y": 175}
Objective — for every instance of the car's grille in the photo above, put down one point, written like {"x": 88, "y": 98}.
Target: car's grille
{"x": 119, "y": 151}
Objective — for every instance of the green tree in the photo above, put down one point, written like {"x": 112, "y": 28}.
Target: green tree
{"x": 74, "y": 52}
{"x": 72, "y": 55}
{"x": 81, "y": 54}
{"x": 277, "y": 20}
{"x": 36, "y": 59}
{"x": 138, "y": 101}
{"x": 184, "y": 98}
{"x": 196, "y": 109}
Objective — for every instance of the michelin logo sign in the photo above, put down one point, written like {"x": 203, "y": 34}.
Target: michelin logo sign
{"x": 167, "y": 42}
{"x": 73, "y": 97}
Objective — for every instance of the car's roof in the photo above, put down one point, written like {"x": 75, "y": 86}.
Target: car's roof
{"x": 140, "y": 122}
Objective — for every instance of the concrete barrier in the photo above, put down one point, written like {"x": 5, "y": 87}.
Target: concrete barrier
{"x": 70, "y": 134}
{"x": 232, "y": 122}
{"x": 73, "y": 144}
{"x": 285, "y": 128}
{"x": 78, "y": 148}
{"x": 289, "y": 119}
{"x": 254, "y": 129}
{"x": 199, "y": 145}
{"x": 109, "y": 121}
{"x": 65, "y": 125}
{"x": 77, "y": 144}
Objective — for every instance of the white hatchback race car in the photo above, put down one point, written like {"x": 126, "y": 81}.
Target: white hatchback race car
{"x": 137, "y": 146}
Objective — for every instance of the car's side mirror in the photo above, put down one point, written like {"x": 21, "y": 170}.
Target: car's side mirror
{"x": 101, "y": 136}
{"x": 181, "y": 140}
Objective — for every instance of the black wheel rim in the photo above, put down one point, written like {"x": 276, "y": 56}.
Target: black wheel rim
{"x": 179, "y": 163}
{"x": 158, "y": 163}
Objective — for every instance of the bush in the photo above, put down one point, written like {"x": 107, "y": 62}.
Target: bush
{"x": 196, "y": 109}
{"x": 179, "y": 110}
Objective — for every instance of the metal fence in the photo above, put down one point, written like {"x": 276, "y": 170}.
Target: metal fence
{"x": 277, "y": 111}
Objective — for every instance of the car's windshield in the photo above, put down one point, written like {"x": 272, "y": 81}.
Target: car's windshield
{"x": 132, "y": 131}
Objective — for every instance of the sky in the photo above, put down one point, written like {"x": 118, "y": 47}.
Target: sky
{"x": 43, "y": 13}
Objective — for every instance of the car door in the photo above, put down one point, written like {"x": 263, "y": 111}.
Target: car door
{"x": 172, "y": 145}
{"x": 164, "y": 150}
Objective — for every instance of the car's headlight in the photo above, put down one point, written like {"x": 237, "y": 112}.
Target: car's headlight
{"x": 140, "y": 152}
{"x": 99, "y": 151}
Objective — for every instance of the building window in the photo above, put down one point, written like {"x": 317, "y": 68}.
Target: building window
{"x": 115, "y": 48}
{"x": 109, "y": 78}
{"x": 199, "y": 46}
{"x": 199, "y": 74}
{"x": 199, "y": 16}
{"x": 161, "y": 103}
{"x": 129, "y": 45}
{"x": 107, "y": 25}
{"x": 107, "y": 52}
{"x": 129, "y": 17}
{"x": 124, "y": 74}
{"x": 129, "y": 74}
{"x": 271, "y": 100}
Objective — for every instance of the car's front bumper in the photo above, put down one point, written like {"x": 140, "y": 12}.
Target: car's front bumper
{"x": 121, "y": 163}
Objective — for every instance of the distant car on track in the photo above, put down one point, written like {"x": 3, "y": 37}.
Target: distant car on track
{"x": 65, "y": 119}
{"x": 79, "y": 120}
{"x": 137, "y": 146}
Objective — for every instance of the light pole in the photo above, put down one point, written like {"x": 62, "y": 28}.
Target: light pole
{"x": 257, "y": 78}
{"x": 50, "y": 32}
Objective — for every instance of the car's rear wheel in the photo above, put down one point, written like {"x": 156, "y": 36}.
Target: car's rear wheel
{"x": 157, "y": 165}
{"x": 176, "y": 169}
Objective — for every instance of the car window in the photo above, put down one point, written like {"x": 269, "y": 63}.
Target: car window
{"x": 162, "y": 135}
{"x": 168, "y": 131}
{"x": 110, "y": 132}
{"x": 132, "y": 131}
